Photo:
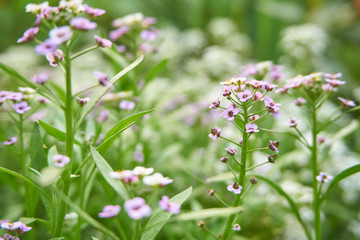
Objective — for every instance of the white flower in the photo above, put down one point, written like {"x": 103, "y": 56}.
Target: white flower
{"x": 36, "y": 8}
{"x": 121, "y": 174}
{"x": 157, "y": 179}
{"x": 323, "y": 177}
{"x": 142, "y": 171}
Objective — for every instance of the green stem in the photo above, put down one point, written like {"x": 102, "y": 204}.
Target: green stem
{"x": 241, "y": 176}
{"x": 258, "y": 149}
{"x": 258, "y": 165}
{"x": 220, "y": 200}
{"x": 121, "y": 230}
{"x": 69, "y": 146}
{"x": 314, "y": 166}
{"x": 84, "y": 51}
{"x": 237, "y": 144}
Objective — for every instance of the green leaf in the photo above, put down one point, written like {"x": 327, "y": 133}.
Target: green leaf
{"x": 289, "y": 200}
{"x": 90, "y": 105}
{"x": 159, "y": 218}
{"x": 156, "y": 70}
{"x": 56, "y": 133}
{"x": 27, "y": 221}
{"x": 105, "y": 169}
{"x": 87, "y": 218}
{"x": 344, "y": 174}
{"x": 208, "y": 213}
{"x": 119, "y": 127}
{"x": 49, "y": 175}
{"x": 37, "y": 155}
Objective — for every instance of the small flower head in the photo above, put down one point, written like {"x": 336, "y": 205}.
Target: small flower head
{"x": 226, "y": 91}
{"x": 257, "y": 96}
{"x": 236, "y": 227}
{"x": 18, "y": 227}
{"x": 168, "y": 206}
{"x": 215, "y": 133}
{"x": 81, "y": 23}
{"x": 125, "y": 175}
{"x": 29, "y": 35}
{"x": 102, "y": 77}
{"x": 271, "y": 105}
{"x": 127, "y": 105}
{"x": 253, "y": 180}
{"x": 346, "y": 102}
{"x": 293, "y": 122}
{"x": 61, "y": 160}
{"x": 15, "y": 96}
{"x": 234, "y": 187}
{"x": 211, "y": 192}
{"x": 273, "y": 145}
{"x": 93, "y": 12}
{"x": 149, "y": 35}
{"x": 102, "y": 42}
{"x": 60, "y": 35}
{"x": 103, "y": 116}
{"x": 245, "y": 95}
{"x": 321, "y": 139}
{"x": 21, "y": 107}
{"x": 82, "y": 101}
{"x": 48, "y": 46}
{"x": 272, "y": 158}
{"x": 335, "y": 82}
{"x": 251, "y": 128}
{"x": 142, "y": 171}
{"x": 224, "y": 158}
{"x": 55, "y": 57}
{"x": 323, "y": 177}
{"x": 10, "y": 141}
{"x": 157, "y": 179}
{"x": 231, "y": 151}
{"x": 40, "y": 78}
{"x": 110, "y": 211}
{"x": 300, "y": 101}
{"x": 254, "y": 118}
{"x": 230, "y": 112}
{"x": 215, "y": 104}
{"x": 137, "y": 208}
{"x": 119, "y": 32}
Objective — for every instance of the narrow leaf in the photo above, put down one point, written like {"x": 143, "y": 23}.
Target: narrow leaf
{"x": 87, "y": 218}
{"x": 159, "y": 218}
{"x": 37, "y": 155}
{"x": 105, "y": 169}
{"x": 56, "y": 133}
{"x": 119, "y": 127}
{"x": 156, "y": 70}
{"x": 27, "y": 221}
{"x": 208, "y": 213}
{"x": 289, "y": 200}
{"x": 90, "y": 105}
{"x": 344, "y": 174}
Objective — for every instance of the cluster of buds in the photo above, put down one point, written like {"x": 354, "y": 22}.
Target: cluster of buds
{"x": 261, "y": 71}
{"x": 61, "y": 21}
{"x": 138, "y": 173}
{"x": 134, "y": 26}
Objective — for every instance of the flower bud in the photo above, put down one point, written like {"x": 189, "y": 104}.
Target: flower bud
{"x": 200, "y": 223}
{"x": 253, "y": 180}
{"x": 211, "y": 192}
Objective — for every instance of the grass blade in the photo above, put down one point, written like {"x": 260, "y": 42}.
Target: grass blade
{"x": 159, "y": 218}
{"x": 56, "y": 133}
{"x": 105, "y": 169}
{"x": 156, "y": 70}
{"x": 208, "y": 213}
{"x": 90, "y": 105}
{"x": 37, "y": 155}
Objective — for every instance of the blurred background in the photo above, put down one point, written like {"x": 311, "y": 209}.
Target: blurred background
{"x": 205, "y": 42}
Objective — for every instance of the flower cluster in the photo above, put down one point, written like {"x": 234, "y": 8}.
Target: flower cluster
{"x": 13, "y": 228}
{"x": 134, "y": 26}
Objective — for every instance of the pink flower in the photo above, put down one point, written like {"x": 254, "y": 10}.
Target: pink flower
{"x": 55, "y": 57}
{"x": 231, "y": 151}
{"x": 215, "y": 133}
{"x": 82, "y": 101}
{"x": 110, "y": 211}
{"x": 48, "y": 46}
{"x": 127, "y": 105}
{"x": 102, "y": 42}
{"x": 61, "y": 160}
{"x": 346, "y": 102}
{"x": 93, "y": 12}
{"x": 82, "y": 23}
{"x": 251, "y": 128}
{"x": 149, "y": 35}
{"x": 230, "y": 112}
{"x": 117, "y": 33}
{"x": 226, "y": 91}
{"x": 60, "y": 35}
{"x": 137, "y": 208}
{"x": 335, "y": 82}
{"x": 10, "y": 141}
{"x": 168, "y": 206}
{"x": 254, "y": 118}
{"x": 300, "y": 101}
{"x": 273, "y": 145}
{"x": 102, "y": 77}
{"x": 323, "y": 177}
{"x": 245, "y": 95}
{"x": 215, "y": 104}
{"x": 103, "y": 116}
{"x": 21, "y": 107}
{"x": 234, "y": 187}
{"x": 40, "y": 78}
{"x": 293, "y": 122}
{"x": 29, "y": 35}
{"x": 236, "y": 227}
{"x": 271, "y": 105}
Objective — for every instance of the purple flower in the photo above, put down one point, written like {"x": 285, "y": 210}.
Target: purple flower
{"x": 300, "y": 101}
{"x": 254, "y": 118}
{"x": 224, "y": 158}
{"x": 293, "y": 122}
{"x": 327, "y": 87}
{"x": 215, "y": 104}
{"x": 21, "y": 107}
{"x": 55, "y": 57}
{"x": 226, "y": 91}
{"x": 43, "y": 100}
{"x": 269, "y": 87}
{"x": 102, "y": 77}
{"x": 168, "y": 206}
{"x": 236, "y": 227}
{"x": 234, "y": 187}
{"x": 28, "y": 35}
{"x": 215, "y": 133}
{"x": 15, "y": 96}
{"x": 10, "y": 141}
{"x": 273, "y": 145}
{"x": 230, "y": 112}
{"x": 257, "y": 84}
{"x": 82, "y": 23}
{"x": 18, "y": 226}
{"x": 321, "y": 139}
{"x": 231, "y": 151}
{"x": 117, "y": 33}
{"x": 121, "y": 48}
{"x": 60, "y": 35}
{"x": 103, "y": 116}
{"x": 333, "y": 76}
{"x": 102, "y": 42}
{"x": 61, "y": 160}
{"x": 251, "y": 128}
{"x": 323, "y": 177}
{"x": 127, "y": 105}
{"x": 82, "y": 101}
{"x": 257, "y": 96}
{"x": 245, "y": 95}
{"x": 110, "y": 211}
{"x": 137, "y": 208}
{"x": 335, "y": 82}
{"x": 346, "y": 102}
{"x": 271, "y": 105}
{"x": 127, "y": 176}
{"x": 46, "y": 47}
{"x": 93, "y": 12}
{"x": 149, "y": 21}
{"x": 149, "y": 35}
{"x": 40, "y": 78}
